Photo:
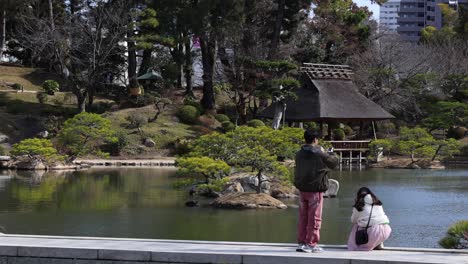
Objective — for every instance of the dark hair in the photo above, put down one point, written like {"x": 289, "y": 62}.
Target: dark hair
{"x": 359, "y": 201}
{"x": 310, "y": 136}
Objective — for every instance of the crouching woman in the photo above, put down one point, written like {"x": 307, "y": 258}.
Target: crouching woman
{"x": 368, "y": 215}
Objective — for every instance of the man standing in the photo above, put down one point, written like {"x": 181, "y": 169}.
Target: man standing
{"x": 312, "y": 164}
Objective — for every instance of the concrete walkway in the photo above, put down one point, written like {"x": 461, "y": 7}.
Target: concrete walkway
{"x": 103, "y": 250}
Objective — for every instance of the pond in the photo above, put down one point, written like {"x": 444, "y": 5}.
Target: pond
{"x": 141, "y": 203}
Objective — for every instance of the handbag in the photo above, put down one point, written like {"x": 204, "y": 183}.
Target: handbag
{"x": 323, "y": 183}
{"x": 361, "y": 235}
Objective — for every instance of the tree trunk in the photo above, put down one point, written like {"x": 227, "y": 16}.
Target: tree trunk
{"x": 51, "y": 15}
{"x": 81, "y": 98}
{"x": 259, "y": 177}
{"x": 91, "y": 93}
{"x": 436, "y": 153}
{"x": 179, "y": 76}
{"x": 145, "y": 62}
{"x": 275, "y": 39}
{"x": 208, "y": 50}
{"x": 2, "y": 32}
{"x": 279, "y": 109}
{"x": 188, "y": 65}
{"x": 132, "y": 63}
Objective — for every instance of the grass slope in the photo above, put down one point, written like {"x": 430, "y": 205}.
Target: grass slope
{"x": 30, "y": 78}
{"x": 164, "y": 131}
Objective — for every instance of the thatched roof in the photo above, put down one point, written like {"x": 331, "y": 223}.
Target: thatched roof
{"x": 328, "y": 94}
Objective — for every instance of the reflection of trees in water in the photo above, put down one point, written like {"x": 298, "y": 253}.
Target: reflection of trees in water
{"x": 91, "y": 190}
{"x": 33, "y": 190}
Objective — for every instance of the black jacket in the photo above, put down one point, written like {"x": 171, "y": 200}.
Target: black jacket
{"x": 311, "y": 162}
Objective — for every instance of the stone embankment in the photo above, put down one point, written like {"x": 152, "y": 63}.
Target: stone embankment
{"x": 408, "y": 164}
{"x": 31, "y": 164}
{"x": 160, "y": 162}
{"x": 80, "y": 250}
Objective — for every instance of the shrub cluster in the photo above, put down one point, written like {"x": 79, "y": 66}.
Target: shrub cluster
{"x": 136, "y": 119}
{"x": 50, "y": 87}
{"x": 285, "y": 142}
{"x": 457, "y": 236}
{"x": 188, "y": 114}
{"x": 221, "y": 118}
{"x": 17, "y": 86}
{"x": 417, "y": 143}
{"x": 348, "y": 130}
{"x": 338, "y": 134}
{"x": 195, "y": 104}
{"x": 35, "y": 148}
{"x": 255, "y": 123}
{"x": 228, "y": 126}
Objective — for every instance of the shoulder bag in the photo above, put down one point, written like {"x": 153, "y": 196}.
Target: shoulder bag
{"x": 361, "y": 235}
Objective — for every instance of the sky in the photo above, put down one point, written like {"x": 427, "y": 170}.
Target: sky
{"x": 372, "y": 7}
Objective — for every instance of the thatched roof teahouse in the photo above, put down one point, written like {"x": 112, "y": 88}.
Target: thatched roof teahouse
{"x": 329, "y": 95}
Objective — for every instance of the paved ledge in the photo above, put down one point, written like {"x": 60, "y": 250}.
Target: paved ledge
{"x": 27, "y": 249}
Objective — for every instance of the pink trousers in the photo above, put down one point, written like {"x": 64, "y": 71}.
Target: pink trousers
{"x": 377, "y": 234}
{"x": 310, "y": 217}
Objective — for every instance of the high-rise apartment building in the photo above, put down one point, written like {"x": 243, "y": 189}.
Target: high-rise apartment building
{"x": 388, "y": 15}
{"x": 414, "y": 15}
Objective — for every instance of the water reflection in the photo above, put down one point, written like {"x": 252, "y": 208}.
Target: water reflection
{"x": 141, "y": 203}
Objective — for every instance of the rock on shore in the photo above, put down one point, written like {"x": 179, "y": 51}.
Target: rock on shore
{"x": 248, "y": 201}
{"x": 408, "y": 164}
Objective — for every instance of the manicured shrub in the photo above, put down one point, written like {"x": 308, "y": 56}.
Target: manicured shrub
{"x": 228, "y": 109}
{"x": 457, "y": 236}
{"x": 136, "y": 119}
{"x": 222, "y": 118}
{"x": 41, "y": 149}
{"x": 255, "y": 123}
{"x": 85, "y": 133}
{"x": 348, "y": 130}
{"x": 338, "y": 134}
{"x": 41, "y": 97}
{"x": 310, "y": 125}
{"x": 228, "y": 126}
{"x": 17, "y": 86}
{"x": 50, "y": 87}
{"x": 384, "y": 145}
{"x": 203, "y": 167}
{"x": 195, "y": 104}
{"x": 118, "y": 146}
{"x": 188, "y": 114}
{"x": 252, "y": 148}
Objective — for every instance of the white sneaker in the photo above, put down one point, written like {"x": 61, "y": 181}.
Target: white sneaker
{"x": 300, "y": 247}
{"x": 316, "y": 249}
{"x": 304, "y": 248}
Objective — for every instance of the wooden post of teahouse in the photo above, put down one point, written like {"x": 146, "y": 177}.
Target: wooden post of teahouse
{"x": 329, "y": 131}
{"x": 321, "y": 128}
{"x": 373, "y": 129}
{"x": 284, "y": 113}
